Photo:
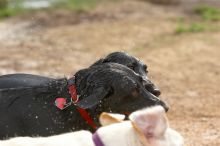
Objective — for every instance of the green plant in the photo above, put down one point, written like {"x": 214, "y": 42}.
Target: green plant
{"x": 208, "y": 12}
{"x": 5, "y": 13}
{"x": 3, "y": 4}
{"x": 8, "y": 11}
{"x": 194, "y": 27}
{"x": 78, "y": 5}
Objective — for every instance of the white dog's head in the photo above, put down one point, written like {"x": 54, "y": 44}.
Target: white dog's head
{"x": 147, "y": 127}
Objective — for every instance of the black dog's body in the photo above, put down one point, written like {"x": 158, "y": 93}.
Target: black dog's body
{"x": 27, "y": 101}
{"x": 22, "y": 80}
{"x": 31, "y": 111}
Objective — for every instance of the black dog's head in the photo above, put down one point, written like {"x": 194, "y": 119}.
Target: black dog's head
{"x": 133, "y": 63}
{"x": 113, "y": 87}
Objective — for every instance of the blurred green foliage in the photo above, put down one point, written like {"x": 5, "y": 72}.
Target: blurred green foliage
{"x": 207, "y": 12}
{"x": 82, "y": 4}
{"x": 76, "y": 5}
{"x": 6, "y": 11}
{"x": 194, "y": 27}
{"x": 3, "y": 4}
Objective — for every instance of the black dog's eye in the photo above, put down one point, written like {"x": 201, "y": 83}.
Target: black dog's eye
{"x": 131, "y": 66}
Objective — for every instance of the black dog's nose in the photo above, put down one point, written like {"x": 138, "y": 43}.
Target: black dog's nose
{"x": 156, "y": 92}
{"x": 151, "y": 87}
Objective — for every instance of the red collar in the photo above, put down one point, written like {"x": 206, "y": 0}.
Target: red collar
{"x": 61, "y": 103}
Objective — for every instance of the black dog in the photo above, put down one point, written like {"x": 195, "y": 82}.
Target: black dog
{"x": 133, "y": 63}
{"x": 31, "y": 83}
{"x": 26, "y": 80}
{"x": 107, "y": 87}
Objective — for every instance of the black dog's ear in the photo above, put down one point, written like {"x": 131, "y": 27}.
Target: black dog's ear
{"x": 93, "y": 99}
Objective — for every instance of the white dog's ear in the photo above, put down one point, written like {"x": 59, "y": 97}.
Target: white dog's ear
{"x": 109, "y": 118}
{"x": 150, "y": 122}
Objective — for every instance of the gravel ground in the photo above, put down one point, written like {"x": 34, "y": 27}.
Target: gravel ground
{"x": 186, "y": 67}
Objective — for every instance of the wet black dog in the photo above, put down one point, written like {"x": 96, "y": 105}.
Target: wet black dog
{"x": 27, "y": 80}
{"x": 133, "y": 63}
{"x": 27, "y": 101}
{"x": 107, "y": 87}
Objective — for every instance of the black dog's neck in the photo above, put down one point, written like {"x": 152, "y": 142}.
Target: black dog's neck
{"x": 93, "y": 112}
{"x": 61, "y": 88}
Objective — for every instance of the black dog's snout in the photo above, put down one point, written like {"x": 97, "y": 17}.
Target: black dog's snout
{"x": 153, "y": 100}
{"x": 164, "y": 105}
{"x": 151, "y": 87}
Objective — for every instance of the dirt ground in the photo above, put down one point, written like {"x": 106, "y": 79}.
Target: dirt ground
{"x": 186, "y": 67}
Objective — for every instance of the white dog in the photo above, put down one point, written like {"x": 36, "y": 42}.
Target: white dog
{"x": 147, "y": 127}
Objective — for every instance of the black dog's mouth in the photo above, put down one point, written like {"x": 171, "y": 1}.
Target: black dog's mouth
{"x": 126, "y": 113}
{"x": 160, "y": 102}
{"x": 165, "y": 106}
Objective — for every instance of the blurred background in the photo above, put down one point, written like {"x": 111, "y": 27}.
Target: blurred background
{"x": 179, "y": 40}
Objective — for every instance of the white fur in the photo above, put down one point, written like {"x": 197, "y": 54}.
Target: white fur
{"x": 117, "y": 134}
{"x": 80, "y": 138}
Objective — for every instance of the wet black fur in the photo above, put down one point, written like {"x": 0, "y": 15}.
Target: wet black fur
{"x": 133, "y": 63}
{"x": 27, "y": 80}
{"x": 27, "y": 103}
